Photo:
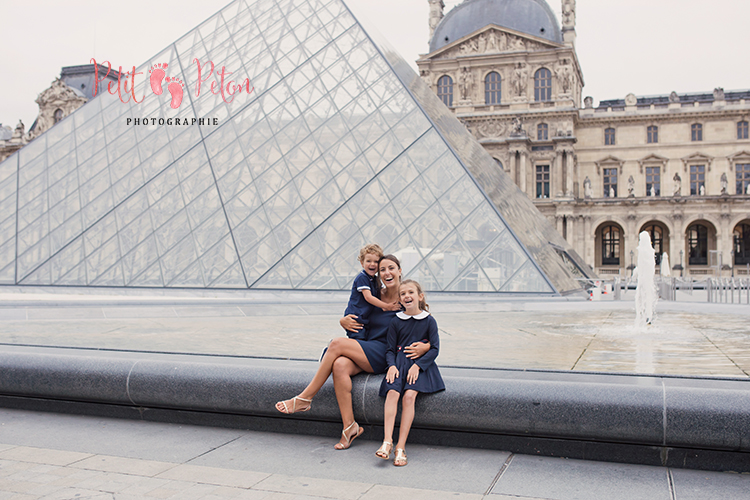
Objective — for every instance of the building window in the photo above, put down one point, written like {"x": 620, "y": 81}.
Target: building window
{"x": 542, "y": 132}
{"x": 609, "y": 137}
{"x": 542, "y": 181}
{"x": 492, "y": 88}
{"x": 610, "y": 182}
{"x": 543, "y": 85}
{"x": 697, "y": 179}
{"x": 499, "y": 164}
{"x": 657, "y": 241}
{"x": 611, "y": 246}
{"x": 445, "y": 90}
{"x": 653, "y": 181}
{"x": 698, "y": 245}
{"x": 742, "y": 245}
{"x": 743, "y": 177}
{"x": 696, "y": 132}
{"x": 742, "y": 130}
{"x": 652, "y": 134}
{"x": 58, "y": 115}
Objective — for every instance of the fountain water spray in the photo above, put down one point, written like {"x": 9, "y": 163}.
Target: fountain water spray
{"x": 645, "y": 292}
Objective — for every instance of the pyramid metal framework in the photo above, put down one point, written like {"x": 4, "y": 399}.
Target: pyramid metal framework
{"x": 339, "y": 144}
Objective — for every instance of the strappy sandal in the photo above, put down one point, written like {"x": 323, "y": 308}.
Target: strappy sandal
{"x": 294, "y": 405}
{"x": 384, "y": 451}
{"x": 348, "y": 440}
{"x": 400, "y": 459}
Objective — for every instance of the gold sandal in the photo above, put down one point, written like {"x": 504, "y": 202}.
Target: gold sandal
{"x": 348, "y": 440}
{"x": 400, "y": 459}
{"x": 294, "y": 405}
{"x": 384, "y": 451}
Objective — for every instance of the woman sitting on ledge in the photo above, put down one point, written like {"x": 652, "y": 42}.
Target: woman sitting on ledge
{"x": 347, "y": 357}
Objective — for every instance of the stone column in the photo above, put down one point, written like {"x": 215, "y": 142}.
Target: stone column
{"x": 569, "y": 166}
{"x": 589, "y": 243}
{"x": 522, "y": 173}
{"x": 677, "y": 243}
{"x": 557, "y": 171}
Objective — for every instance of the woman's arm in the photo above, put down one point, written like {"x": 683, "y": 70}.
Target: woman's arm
{"x": 350, "y": 324}
{"x": 417, "y": 349}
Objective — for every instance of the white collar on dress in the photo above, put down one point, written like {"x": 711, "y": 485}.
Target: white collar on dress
{"x": 403, "y": 315}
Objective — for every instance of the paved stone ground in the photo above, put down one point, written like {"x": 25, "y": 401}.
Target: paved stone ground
{"x": 688, "y": 337}
{"x": 62, "y": 457}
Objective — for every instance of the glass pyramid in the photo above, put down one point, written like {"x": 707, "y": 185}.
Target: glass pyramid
{"x": 339, "y": 144}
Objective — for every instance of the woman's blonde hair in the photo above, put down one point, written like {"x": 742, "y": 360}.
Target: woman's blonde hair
{"x": 423, "y": 306}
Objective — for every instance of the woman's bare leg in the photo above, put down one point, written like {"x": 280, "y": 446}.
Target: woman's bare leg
{"x": 407, "y": 417}
{"x": 343, "y": 371}
{"x": 341, "y": 346}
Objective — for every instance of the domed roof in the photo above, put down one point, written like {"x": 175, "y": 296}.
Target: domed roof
{"x": 528, "y": 16}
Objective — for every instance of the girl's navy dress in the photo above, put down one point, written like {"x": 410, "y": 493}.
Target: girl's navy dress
{"x": 405, "y": 330}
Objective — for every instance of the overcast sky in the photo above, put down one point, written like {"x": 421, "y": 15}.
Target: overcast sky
{"x": 640, "y": 46}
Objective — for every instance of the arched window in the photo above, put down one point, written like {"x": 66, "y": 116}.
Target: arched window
{"x": 609, "y": 136}
{"x": 742, "y": 245}
{"x": 657, "y": 241}
{"x": 652, "y": 134}
{"x": 611, "y": 246}
{"x": 543, "y": 85}
{"x": 492, "y": 88}
{"x": 698, "y": 245}
{"x": 742, "y": 130}
{"x": 58, "y": 115}
{"x": 445, "y": 90}
{"x": 696, "y": 132}
{"x": 542, "y": 132}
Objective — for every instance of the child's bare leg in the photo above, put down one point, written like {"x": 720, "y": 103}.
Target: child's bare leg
{"x": 390, "y": 410}
{"x": 407, "y": 417}
{"x": 341, "y": 346}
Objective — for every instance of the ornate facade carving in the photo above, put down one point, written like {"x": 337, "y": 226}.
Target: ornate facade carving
{"x": 493, "y": 41}
{"x": 569, "y": 13}
{"x": 491, "y": 129}
{"x": 55, "y": 103}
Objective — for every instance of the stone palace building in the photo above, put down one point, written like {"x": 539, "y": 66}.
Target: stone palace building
{"x": 674, "y": 165}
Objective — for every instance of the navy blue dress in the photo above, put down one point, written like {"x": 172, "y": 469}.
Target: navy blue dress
{"x": 358, "y": 305}
{"x": 405, "y": 330}
{"x": 375, "y": 335}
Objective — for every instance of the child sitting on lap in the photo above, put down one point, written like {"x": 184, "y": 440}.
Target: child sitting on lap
{"x": 366, "y": 290}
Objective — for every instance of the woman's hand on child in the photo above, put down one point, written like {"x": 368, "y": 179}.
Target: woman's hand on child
{"x": 413, "y": 374}
{"x": 350, "y": 324}
{"x": 391, "y": 375}
{"x": 416, "y": 349}
{"x": 394, "y": 306}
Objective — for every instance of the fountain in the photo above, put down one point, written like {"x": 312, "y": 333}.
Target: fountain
{"x": 645, "y": 292}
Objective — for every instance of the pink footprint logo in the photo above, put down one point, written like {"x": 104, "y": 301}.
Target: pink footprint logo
{"x": 175, "y": 89}
{"x": 157, "y": 75}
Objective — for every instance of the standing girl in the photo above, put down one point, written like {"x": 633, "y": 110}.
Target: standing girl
{"x": 408, "y": 376}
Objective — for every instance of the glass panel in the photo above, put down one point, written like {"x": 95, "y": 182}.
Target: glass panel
{"x": 527, "y": 280}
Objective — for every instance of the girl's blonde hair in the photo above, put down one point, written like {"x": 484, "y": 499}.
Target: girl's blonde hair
{"x": 423, "y": 306}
